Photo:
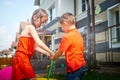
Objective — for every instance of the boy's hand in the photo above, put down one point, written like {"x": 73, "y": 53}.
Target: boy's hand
{"x": 52, "y": 57}
{"x": 56, "y": 55}
{"x": 51, "y": 53}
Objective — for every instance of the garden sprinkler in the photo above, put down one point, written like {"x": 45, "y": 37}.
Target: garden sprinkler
{"x": 50, "y": 70}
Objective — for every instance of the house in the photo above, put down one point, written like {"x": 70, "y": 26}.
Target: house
{"x": 106, "y": 47}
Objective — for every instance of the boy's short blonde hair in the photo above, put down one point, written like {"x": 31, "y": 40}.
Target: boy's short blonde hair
{"x": 67, "y": 17}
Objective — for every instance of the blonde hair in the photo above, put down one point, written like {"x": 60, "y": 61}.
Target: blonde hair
{"x": 67, "y": 17}
{"x": 39, "y": 13}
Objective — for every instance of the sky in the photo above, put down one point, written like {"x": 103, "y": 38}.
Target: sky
{"x": 12, "y": 12}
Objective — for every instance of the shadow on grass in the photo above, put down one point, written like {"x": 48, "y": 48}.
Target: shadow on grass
{"x": 91, "y": 75}
{"x": 58, "y": 76}
{"x": 94, "y": 75}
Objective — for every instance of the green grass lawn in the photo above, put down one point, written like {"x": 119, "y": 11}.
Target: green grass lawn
{"x": 91, "y": 75}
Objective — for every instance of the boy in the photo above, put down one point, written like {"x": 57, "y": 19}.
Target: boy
{"x": 73, "y": 47}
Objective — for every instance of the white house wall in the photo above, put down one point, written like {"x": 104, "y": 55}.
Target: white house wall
{"x": 61, "y": 6}
{"x": 46, "y": 4}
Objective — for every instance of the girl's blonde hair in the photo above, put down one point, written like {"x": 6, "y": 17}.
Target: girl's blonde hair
{"x": 39, "y": 13}
{"x": 67, "y": 17}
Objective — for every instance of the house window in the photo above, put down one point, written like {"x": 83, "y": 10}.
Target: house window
{"x": 114, "y": 19}
{"x": 52, "y": 13}
{"x": 117, "y": 23}
{"x": 81, "y": 6}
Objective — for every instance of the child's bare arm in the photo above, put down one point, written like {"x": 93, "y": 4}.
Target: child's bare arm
{"x": 37, "y": 48}
{"x": 57, "y": 54}
{"x": 38, "y": 41}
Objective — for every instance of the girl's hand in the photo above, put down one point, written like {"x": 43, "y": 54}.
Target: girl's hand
{"x": 52, "y": 57}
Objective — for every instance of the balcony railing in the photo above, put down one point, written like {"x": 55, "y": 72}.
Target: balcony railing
{"x": 111, "y": 40}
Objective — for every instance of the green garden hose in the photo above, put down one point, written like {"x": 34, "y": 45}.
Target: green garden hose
{"x": 50, "y": 70}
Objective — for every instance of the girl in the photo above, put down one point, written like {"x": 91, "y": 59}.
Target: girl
{"x": 28, "y": 42}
